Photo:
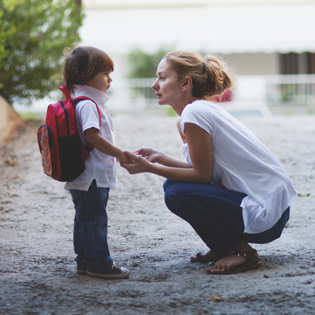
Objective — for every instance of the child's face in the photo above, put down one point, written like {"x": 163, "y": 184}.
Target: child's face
{"x": 101, "y": 81}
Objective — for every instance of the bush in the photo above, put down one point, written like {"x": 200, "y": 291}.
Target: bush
{"x": 3, "y": 52}
{"x": 143, "y": 64}
{"x": 33, "y": 36}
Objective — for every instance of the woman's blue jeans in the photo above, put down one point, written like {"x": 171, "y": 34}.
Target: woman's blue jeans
{"x": 90, "y": 225}
{"x": 215, "y": 214}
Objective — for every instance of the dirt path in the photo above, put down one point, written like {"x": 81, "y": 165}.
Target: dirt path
{"x": 37, "y": 271}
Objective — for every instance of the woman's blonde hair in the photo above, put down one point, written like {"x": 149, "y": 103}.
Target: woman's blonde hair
{"x": 83, "y": 64}
{"x": 209, "y": 75}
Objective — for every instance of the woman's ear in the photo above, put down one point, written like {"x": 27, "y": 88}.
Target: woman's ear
{"x": 187, "y": 83}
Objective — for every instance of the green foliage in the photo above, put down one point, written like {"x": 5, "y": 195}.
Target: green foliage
{"x": 33, "y": 36}
{"x": 142, "y": 64}
{"x": 3, "y": 52}
{"x": 170, "y": 111}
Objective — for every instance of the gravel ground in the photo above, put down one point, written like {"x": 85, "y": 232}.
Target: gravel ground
{"x": 37, "y": 269}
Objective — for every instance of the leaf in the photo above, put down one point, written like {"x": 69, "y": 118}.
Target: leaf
{"x": 303, "y": 194}
{"x": 11, "y": 163}
{"x": 216, "y": 298}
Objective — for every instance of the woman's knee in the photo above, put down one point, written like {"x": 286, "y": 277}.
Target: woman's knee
{"x": 173, "y": 195}
{"x": 169, "y": 199}
{"x": 174, "y": 189}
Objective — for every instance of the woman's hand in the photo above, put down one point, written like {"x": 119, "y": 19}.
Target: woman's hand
{"x": 150, "y": 154}
{"x": 136, "y": 164}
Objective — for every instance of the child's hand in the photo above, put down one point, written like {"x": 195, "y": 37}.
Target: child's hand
{"x": 136, "y": 163}
{"x": 123, "y": 158}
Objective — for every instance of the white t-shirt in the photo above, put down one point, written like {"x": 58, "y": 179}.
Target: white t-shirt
{"x": 98, "y": 166}
{"x": 243, "y": 164}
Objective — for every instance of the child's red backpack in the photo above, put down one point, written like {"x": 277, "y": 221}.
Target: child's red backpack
{"x": 63, "y": 153}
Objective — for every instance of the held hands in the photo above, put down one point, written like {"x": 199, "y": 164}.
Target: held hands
{"x": 140, "y": 161}
{"x": 123, "y": 158}
{"x": 150, "y": 154}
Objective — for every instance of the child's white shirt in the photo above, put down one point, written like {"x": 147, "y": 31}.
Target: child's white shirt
{"x": 98, "y": 166}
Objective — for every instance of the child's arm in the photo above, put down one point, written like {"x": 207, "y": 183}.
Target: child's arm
{"x": 94, "y": 138}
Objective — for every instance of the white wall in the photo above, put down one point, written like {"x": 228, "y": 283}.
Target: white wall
{"x": 253, "y": 63}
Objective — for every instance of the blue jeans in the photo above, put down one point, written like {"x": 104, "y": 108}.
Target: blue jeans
{"x": 215, "y": 214}
{"x": 90, "y": 225}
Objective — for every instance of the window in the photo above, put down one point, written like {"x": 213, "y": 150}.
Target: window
{"x": 293, "y": 63}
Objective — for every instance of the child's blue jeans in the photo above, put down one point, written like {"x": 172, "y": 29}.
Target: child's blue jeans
{"x": 90, "y": 225}
{"x": 216, "y": 215}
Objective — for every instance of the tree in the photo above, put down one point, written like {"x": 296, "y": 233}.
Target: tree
{"x": 33, "y": 37}
{"x": 3, "y": 52}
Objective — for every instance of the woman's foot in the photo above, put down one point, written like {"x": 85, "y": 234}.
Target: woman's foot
{"x": 245, "y": 258}
{"x": 204, "y": 258}
{"x": 209, "y": 257}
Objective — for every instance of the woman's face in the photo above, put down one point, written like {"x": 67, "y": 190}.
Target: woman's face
{"x": 167, "y": 86}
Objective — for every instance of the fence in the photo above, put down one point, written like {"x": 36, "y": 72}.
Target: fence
{"x": 274, "y": 90}
{"x": 290, "y": 89}
{"x": 278, "y": 92}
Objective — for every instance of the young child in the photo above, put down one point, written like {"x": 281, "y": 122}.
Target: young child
{"x": 87, "y": 73}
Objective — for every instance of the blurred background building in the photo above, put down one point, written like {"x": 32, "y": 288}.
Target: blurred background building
{"x": 269, "y": 44}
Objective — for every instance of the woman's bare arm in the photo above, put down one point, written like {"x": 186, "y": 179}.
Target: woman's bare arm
{"x": 158, "y": 157}
{"x": 200, "y": 147}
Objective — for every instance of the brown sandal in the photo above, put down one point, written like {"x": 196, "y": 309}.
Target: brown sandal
{"x": 209, "y": 257}
{"x": 204, "y": 258}
{"x": 252, "y": 261}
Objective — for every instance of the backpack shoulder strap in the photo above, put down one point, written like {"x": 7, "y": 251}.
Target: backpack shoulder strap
{"x": 65, "y": 91}
{"x": 76, "y": 100}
